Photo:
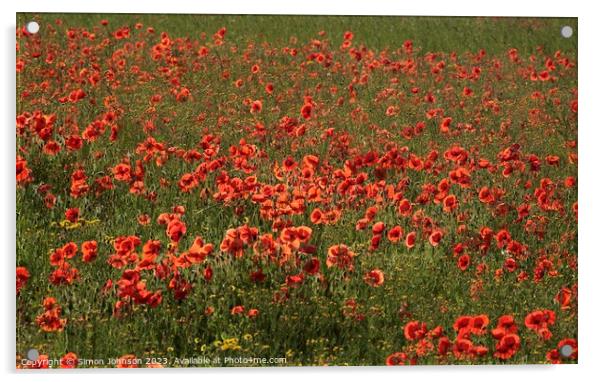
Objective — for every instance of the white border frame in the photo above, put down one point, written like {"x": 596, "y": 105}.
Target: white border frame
{"x": 590, "y": 341}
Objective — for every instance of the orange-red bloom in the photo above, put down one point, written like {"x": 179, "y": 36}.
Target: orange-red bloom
{"x": 341, "y": 256}
{"x": 374, "y": 278}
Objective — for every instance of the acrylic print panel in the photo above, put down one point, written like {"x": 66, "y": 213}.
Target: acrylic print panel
{"x": 209, "y": 191}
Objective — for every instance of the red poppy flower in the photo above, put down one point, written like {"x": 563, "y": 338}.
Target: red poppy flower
{"x": 175, "y": 230}
{"x": 540, "y": 321}
{"x": 443, "y": 345}
{"x": 564, "y": 297}
{"x": 374, "y": 278}
{"x": 410, "y": 239}
{"x": 435, "y": 237}
{"x": 507, "y": 346}
{"x": 72, "y": 214}
{"x": 486, "y": 196}
{"x": 316, "y": 216}
{"x": 238, "y": 309}
{"x": 450, "y": 203}
{"x": 341, "y": 256}
{"x": 22, "y": 277}
{"x": 505, "y": 325}
{"x": 378, "y": 228}
{"x": 50, "y": 320}
{"x": 415, "y": 330}
{"x": 445, "y": 124}
{"x": 199, "y": 251}
{"x": 479, "y": 324}
{"x": 256, "y": 106}
{"x": 463, "y": 262}
{"x": 395, "y": 234}
{"x": 405, "y": 207}
{"x": 306, "y": 111}
{"x": 396, "y": 359}
{"x": 312, "y": 266}
{"x": 69, "y": 361}
{"x": 251, "y": 313}
{"x": 89, "y": 251}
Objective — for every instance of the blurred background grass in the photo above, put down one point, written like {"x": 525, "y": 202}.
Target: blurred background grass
{"x": 494, "y": 34}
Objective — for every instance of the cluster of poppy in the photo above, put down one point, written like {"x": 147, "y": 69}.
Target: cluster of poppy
{"x": 50, "y": 320}
{"x": 467, "y": 346}
{"x": 415, "y": 150}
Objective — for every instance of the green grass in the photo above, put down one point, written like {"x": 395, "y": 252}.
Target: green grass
{"x": 310, "y": 328}
{"x": 431, "y": 34}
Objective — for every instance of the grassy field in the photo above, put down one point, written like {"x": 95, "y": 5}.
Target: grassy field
{"x": 315, "y": 189}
